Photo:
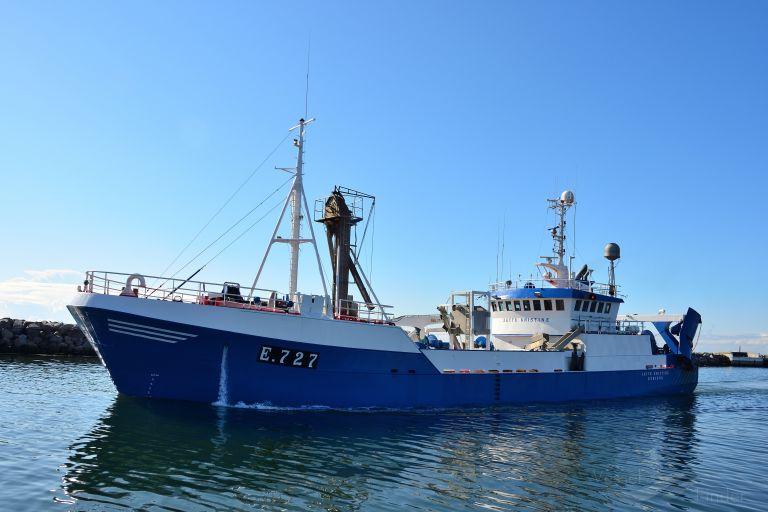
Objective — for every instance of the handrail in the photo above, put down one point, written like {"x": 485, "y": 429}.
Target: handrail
{"x": 574, "y": 284}
{"x": 210, "y": 293}
{"x": 600, "y": 326}
{"x": 111, "y": 280}
{"x": 361, "y": 311}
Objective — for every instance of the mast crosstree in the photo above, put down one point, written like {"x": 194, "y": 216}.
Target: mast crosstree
{"x": 558, "y": 273}
{"x": 298, "y": 202}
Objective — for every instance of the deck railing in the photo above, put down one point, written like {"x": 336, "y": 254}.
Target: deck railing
{"x": 362, "y": 312}
{"x": 592, "y": 326}
{"x": 168, "y": 288}
{"x": 575, "y": 284}
{"x": 215, "y": 294}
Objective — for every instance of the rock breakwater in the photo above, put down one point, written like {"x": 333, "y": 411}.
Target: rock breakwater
{"x": 710, "y": 359}
{"x": 54, "y": 338}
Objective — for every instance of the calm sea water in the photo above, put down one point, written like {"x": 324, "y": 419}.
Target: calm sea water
{"x": 69, "y": 442}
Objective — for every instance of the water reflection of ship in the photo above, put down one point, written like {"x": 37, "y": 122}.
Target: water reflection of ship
{"x": 181, "y": 455}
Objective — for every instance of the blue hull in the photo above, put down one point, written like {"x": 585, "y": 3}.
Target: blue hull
{"x": 342, "y": 378}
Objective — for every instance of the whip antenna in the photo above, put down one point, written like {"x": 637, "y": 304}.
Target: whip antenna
{"x": 306, "y": 87}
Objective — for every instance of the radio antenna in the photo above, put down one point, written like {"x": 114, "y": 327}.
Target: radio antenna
{"x": 503, "y": 241}
{"x": 306, "y": 88}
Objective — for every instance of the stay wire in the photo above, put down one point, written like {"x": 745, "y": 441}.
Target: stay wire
{"x": 233, "y": 226}
{"x": 223, "y": 234}
{"x": 370, "y": 212}
{"x": 224, "y": 249}
{"x": 229, "y": 200}
{"x": 698, "y": 337}
{"x": 373, "y": 236}
{"x": 238, "y": 237}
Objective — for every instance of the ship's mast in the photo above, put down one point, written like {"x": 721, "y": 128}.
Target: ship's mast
{"x": 558, "y": 274}
{"x": 297, "y": 192}
{"x": 560, "y": 205}
{"x": 297, "y": 200}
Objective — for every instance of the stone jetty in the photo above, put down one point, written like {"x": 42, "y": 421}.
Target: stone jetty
{"x": 710, "y": 359}
{"x": 54, "y": 338}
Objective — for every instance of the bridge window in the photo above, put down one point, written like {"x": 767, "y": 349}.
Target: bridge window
{"x": 559, "y": 305}
{"x": 547, "y": 305}
{"x": 527, "y": 305}
{"x": 608, "y": 307}
{"x": 517, "y": 305}
{"x": 592, "y": 307}
{"x": 537, "y": 305}
{"x": 577, "y": 306}
{"x": 493, "y": 305}
{"x": 600, "y": 307}
{"x": 509, "y": 305}
{"x": 585, "y": 306}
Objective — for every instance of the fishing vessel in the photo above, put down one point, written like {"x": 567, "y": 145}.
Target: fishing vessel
{"x": 556, "y": 338}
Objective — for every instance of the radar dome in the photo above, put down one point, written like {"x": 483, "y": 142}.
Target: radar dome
{"x": 567, "y": 197}
{"x": 612, "y": 252}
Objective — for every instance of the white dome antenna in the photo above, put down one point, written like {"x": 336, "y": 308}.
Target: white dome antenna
{"x": 567, "y": 198}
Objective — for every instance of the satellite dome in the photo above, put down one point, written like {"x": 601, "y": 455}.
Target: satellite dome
{"x": 612, "y": 252}
{"x": 567, "y": 197}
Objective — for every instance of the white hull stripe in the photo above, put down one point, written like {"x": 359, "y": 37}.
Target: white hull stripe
{"x": 123, "y": 324}
{"x": 145, "y": 331}
{"x": 142, "y": 331}
{"x": 111, "y": 329}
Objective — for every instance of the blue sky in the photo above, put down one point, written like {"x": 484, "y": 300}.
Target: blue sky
{"x": 124, "y": 127}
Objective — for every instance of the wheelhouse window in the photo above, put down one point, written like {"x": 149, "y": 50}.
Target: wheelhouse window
{"x": 493, "y": 305}
{"x": 559, "y": 305}
{"x": 509, "y": 305}
{"x": 517, "y": 305}
{"x": 600, "y": 307}
{"x": 577, "y": 306}
{"x": 526, "y": 305}
{"x": 608, "y": 307}
{"x": 592, "y": 307}
{"x": 585, "y": 306}
{"x": 547, "y": 305}
{"x": 537, "y": 305}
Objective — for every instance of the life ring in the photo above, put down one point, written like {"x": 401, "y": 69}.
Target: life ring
{"x": 128, "y": 290}
{"x": 129, "y": 281}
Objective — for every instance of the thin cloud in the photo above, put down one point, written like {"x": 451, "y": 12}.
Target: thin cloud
{"x": 50, "y": 274}
{"x": 733, "y": 337}
{"x": 49, "y": 288}
{"x": 733, "y": 341}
